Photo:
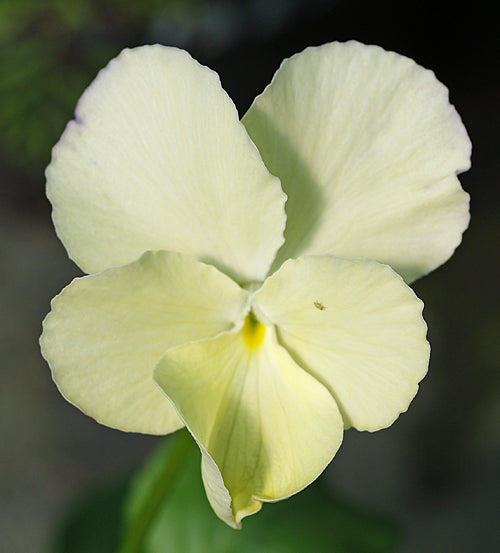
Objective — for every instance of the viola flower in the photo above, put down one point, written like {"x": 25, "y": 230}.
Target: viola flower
{"x": 202, "y": 308}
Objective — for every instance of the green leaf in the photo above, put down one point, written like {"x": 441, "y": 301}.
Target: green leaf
{"x": 313, "y": 520}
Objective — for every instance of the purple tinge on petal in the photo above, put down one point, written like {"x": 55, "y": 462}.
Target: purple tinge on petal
{"x": 78, "y": 118}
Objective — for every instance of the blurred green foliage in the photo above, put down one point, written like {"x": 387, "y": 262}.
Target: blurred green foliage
{"x": 50, "y": 50}
{"x": 92, "y": 524}
{"x": 313, "y": 520}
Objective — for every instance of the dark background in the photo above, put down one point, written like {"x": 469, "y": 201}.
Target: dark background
{"x": 435, "y": 470}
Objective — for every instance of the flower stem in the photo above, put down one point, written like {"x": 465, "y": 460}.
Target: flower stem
{"x": 137, "y": 529}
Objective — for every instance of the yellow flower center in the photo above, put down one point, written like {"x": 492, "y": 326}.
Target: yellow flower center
{"x": 253, "y": 331}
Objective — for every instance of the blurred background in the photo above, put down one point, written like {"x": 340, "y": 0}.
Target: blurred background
{"x": 436, "y": 470}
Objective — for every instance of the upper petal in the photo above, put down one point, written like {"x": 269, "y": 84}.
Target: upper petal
{"x": 106, "y": 332}
{"x": 367, "y": 147}
{"x": 354, "y": 325}
{"x": 266, "y": 428}
{"x": 156, "y": 158}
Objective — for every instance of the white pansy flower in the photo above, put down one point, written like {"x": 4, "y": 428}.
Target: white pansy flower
{"x": 198, "y": 312}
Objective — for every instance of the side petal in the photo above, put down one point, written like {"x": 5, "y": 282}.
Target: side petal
{"x": 106, "y": 333}
{"x": 356, "y": 327}
{"x": 367, "y": 147}
{"x": 157, "y": 158}
{"x": 265, "y": 426}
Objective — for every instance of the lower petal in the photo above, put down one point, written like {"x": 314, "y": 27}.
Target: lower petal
{"x": 268, "y": 427}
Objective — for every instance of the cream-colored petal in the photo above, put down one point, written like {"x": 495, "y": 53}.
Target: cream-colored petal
{"x": 217, "y": 493}
{"x": 367, "y": 147}
{"x": 157, "y": 158}
{"x": 355, "y": 326}
{"x": 106, "y": 333}
{"x": 265, "y": 426}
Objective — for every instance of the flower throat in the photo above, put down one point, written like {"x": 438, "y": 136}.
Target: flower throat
{"x": 253, "y": 331}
